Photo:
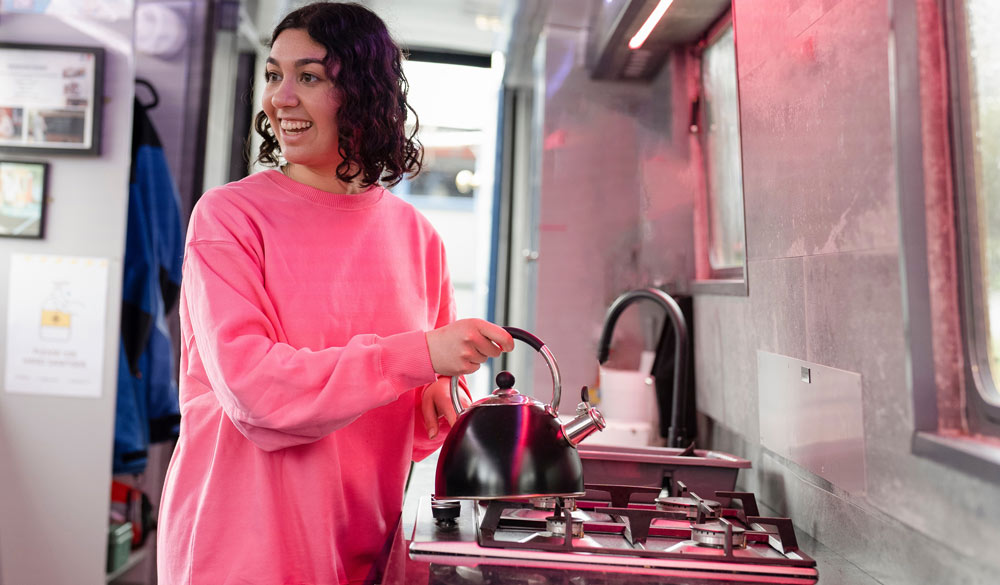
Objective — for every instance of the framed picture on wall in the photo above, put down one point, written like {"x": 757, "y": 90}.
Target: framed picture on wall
{"x": 22, "y": 198}
{"x": 50, "y": 98}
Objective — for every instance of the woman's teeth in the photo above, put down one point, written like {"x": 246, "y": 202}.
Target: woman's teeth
{"x": 295, "y": 127}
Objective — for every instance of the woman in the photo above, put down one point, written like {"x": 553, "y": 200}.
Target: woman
{"x": 317, "y": 324}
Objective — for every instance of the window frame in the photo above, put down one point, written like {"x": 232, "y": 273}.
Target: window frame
{"x": 954, "y": 448}
{"x": 981, "y": 392}
{"x": 732, "y": 281}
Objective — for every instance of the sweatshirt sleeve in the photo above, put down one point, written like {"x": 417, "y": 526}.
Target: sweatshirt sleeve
{"x": 278, "y": 395}
{"x": 423, "y": 446}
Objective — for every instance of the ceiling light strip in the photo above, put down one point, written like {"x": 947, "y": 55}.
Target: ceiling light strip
{"x": 647, "y": 27}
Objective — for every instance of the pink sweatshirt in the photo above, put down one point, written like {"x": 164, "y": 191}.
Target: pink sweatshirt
{"x": 303, "y": 358}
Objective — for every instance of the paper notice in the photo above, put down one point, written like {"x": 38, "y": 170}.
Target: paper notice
{"x": 55, "y": 325}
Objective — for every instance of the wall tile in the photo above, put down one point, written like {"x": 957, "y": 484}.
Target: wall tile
{"x": 739, "y": 369}
{"x": 708, "y": 356}
{"x": 817, "y": 144}
{"x": 882, "y": 546}
{"x": 777, "y": 306}
{"x": 729, "y": 330}
{"x": 858, "y": 326}
{"x": 764, "y": 28}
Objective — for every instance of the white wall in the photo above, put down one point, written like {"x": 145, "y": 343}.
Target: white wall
{"x": 55, "y": 452}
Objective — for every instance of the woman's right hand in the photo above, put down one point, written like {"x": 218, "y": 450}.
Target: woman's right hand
{"x": 461, "y": 347}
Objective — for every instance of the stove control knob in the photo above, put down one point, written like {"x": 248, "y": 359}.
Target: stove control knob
{"x": 446, "y": 512}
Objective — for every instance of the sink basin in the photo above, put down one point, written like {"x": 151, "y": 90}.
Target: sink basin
{"x": 703, "y": 473}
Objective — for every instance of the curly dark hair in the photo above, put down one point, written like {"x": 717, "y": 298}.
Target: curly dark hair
{"x": 373, "y": 110}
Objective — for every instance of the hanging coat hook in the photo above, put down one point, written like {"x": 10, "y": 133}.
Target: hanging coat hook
{"x": 152, "y": 91}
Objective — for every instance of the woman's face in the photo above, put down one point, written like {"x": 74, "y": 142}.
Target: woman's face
{"x": 301, "y": 103}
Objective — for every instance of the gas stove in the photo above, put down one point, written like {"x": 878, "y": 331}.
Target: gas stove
{"x": 649, "y": 534}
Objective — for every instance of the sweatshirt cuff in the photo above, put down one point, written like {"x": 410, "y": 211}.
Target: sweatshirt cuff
{"x": 406, "y": 361}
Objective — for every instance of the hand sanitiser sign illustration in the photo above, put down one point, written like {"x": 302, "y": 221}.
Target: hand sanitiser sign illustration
{"x": 57, "y": 313}
{"x": 56, "y": 325}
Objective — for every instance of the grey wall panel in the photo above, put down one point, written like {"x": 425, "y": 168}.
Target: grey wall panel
{"x": 815, "y": 126}
{"x": 778, "y": 305}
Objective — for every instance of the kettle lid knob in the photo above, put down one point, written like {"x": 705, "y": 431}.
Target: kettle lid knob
{"x": 505, "y": 380}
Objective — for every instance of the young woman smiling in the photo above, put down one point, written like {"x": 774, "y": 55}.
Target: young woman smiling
{"x": 318, "y": 327}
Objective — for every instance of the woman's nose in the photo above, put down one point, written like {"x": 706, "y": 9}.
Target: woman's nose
{"x": 284, "y": 96}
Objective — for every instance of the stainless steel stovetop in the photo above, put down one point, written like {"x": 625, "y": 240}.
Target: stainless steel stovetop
{"x": 681, "y": 537}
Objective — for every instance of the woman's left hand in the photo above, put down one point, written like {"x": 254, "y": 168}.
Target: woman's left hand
{"x": 436, "y": 402}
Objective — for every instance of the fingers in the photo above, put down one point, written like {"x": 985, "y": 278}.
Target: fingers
{"x": 446, "y": 408}
{"x": 436, "y": 402}
{"x": 498, "y": 336}
{"x": 428, "y": 408}
{"x": 460, "y": 347}
{"x": 491, "y": 341}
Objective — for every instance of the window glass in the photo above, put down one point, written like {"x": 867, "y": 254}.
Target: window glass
{"x": 982, "y": 20}
{"x": 457, "y": 110}
{"x": 721, "y": 136}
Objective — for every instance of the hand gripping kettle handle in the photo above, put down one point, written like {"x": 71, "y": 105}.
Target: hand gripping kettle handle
{"x": 538, "y": 346}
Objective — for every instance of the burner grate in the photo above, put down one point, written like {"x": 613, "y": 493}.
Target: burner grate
{"x": 732, "y": 533}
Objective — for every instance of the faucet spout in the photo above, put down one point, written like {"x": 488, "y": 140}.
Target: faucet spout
{"x": 676, "y": 434}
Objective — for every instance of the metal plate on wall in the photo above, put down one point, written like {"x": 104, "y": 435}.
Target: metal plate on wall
{"x": 812, "y": 415}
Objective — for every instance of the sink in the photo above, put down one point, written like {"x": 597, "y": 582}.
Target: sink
{"x": 704, "y": 472}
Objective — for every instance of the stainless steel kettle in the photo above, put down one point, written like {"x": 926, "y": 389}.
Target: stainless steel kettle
{"x": 508, "y": 445}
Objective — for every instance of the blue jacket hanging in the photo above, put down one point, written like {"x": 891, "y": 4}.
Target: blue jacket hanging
{"x": 147, "y": 408}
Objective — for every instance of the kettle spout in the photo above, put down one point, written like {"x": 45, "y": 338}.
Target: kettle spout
{"x": 587, "y": 421}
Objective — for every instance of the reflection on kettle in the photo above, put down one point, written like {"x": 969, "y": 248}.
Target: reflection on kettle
{"x": 510, "y": 445}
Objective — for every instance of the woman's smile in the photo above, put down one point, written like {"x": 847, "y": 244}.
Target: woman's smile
{"x": 295, "y": 127}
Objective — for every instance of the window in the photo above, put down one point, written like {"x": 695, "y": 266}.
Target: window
{"x": 945, "y": 197}
{"x": 456, "y": 101}
{"x": 724, "y": 251}
{"x": 976, "y": 142}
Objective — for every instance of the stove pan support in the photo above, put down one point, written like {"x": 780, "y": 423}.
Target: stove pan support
{"x": 728, "y": 543}
{"x": 490, "y": 523}
{"x": 747, "y": 500}
{"x": 621, "y": 495}
{"x": 786, "y": 541}
{"x": 639, "y": 520}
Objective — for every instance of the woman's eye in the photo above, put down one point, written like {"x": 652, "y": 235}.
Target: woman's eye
{"x": 270, "y": 76}
{"x": 309, "y": 78}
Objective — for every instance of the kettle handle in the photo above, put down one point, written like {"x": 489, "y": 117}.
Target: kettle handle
{"x": 538, "y": 346}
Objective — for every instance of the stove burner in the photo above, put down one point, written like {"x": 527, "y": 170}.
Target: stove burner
{"x": 713, "y": 535}
{"x": 557, "y": 526}
{"x": 553, "y": 503}
{"x": 689, "y": 506}
{"x": 445, "y": 513}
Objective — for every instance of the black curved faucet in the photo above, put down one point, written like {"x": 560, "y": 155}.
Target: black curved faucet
{"x": 676, "y": 433}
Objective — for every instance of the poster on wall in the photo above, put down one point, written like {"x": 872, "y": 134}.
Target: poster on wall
{"x": 56, "y": 325}
{"x": 50, "y": 98}
{"x": 22, "y": 199}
